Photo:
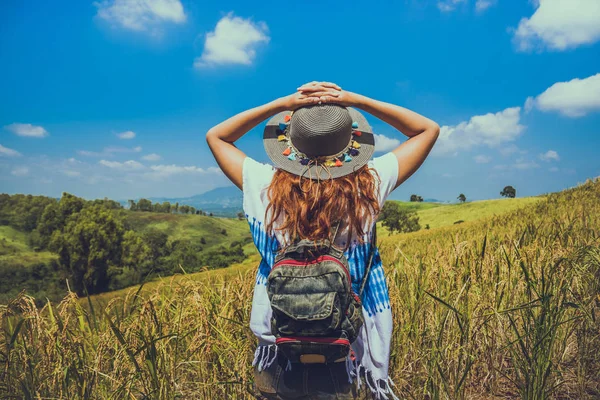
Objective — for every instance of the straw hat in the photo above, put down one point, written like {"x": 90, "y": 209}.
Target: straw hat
{"x": 325, "y": 141}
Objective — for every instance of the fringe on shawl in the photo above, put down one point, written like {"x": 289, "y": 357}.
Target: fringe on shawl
{"x": 265, "y": 355}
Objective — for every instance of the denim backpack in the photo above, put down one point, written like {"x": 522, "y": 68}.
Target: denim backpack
{"x": 316, "y": 314}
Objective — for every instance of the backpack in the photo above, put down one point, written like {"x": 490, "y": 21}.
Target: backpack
{"x": 316, "y": 314}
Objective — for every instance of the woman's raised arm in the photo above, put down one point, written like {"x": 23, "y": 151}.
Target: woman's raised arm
{"x": 221, "y": 137}
{"x": 422, "y": 131}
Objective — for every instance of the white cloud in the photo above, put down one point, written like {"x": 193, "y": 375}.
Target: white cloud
{"x": 559, "y": 25}
{"x": 481, "y": 159}
{"x": 489, "y": 130}
{"x": 109, "y": 151}
{"x": 384, "y": 143}
{"x": 136, "y": 149}
{"x": 20, "y": 171}
{"x": 141, "y": 15}
{"x": 5, "y": 151}
{"x": 520, "y": 164}
{"x": 449, "y": 5}
{"x": 162, "y": 171}
{"x": 573, "y": 99}
{"x": 27, "y": 130}
{"x": 550, "y": 155}
{"x": 510, "y": 149}
{"x": 126, "y": 135}
{"x": 151, "y": 157}
{"x": 233, "y": 41}
{"x": 482, "y": 5}
{"x": 525, "y": 164}
{"x": 127, "y": 165}
{"x": 71, "y": 173}
{"x": 90, "y": 153}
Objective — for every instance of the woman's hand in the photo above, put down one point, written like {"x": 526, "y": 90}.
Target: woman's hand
{"x": 295, "y": 101}
{"x": 327, "y": 92}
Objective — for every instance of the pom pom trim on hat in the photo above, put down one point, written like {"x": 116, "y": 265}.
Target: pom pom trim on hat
{"x": 336, "y": 160}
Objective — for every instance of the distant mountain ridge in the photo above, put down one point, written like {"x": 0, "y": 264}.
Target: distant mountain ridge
{"x": 223, "y": 201}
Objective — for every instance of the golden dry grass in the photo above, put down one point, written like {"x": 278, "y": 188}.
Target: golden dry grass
{"x": 505, "y": 307}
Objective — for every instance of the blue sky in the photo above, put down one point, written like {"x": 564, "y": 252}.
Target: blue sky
{"x": 113, "y": 98}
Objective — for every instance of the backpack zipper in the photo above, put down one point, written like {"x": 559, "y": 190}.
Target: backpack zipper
{"x": 317, "y": 260}
{"x": 344, "y": 342}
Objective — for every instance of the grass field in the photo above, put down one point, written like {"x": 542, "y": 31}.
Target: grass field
{"x": 500, "y": 308}
{"x": 439, "y": 214}
{"x": 14, "y": 244}
{"x": 448, "y": 214}
{"x": 14, "y": 248}
{"x": 194, "y": 227}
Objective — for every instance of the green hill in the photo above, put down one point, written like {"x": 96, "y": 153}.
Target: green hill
{"x": 14, "y": 247}
{"x": 194, "y": 228}
{"x": 104, "y": 247}
{"x": 437, "y": 215}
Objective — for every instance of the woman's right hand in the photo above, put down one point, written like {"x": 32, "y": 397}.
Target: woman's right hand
{"x": 327, "y": 92}
{"x": 295, "y": 101}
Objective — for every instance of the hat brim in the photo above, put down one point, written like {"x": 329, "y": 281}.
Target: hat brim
{"x": 275, "y": 149}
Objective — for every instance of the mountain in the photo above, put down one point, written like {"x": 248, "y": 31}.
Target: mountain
{"x": 223, "y": 201}
{"x": 434, "y": 201}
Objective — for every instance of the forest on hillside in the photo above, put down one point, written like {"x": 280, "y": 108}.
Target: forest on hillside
{"x": 94, "y": 247}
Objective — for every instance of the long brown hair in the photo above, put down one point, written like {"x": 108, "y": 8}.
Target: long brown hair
{"x": 308, "y": 209}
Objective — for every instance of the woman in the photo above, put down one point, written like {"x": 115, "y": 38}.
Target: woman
{"x": 320, "y": 146}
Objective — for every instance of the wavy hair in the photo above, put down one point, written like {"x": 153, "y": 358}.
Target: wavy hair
{"x": 308, "y": 209}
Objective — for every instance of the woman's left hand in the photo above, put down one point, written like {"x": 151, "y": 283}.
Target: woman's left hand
{"x": 327, "y": 92}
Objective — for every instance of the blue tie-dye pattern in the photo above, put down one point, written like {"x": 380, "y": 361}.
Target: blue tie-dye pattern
{"x": 267, "y": 246}
{"x": 375, "y": 296}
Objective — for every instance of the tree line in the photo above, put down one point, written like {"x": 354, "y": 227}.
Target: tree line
{"x": 97, "y": 249}
{"x": 164, "y": 207}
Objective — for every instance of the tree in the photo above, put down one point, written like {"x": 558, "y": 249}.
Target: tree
{"x": 136, "y": 262}
{"x": 414, "y": 197}
{"x": 157, "y": 241}
{"x": 144, "y": 205}
{"x": 462, "y": 198}
{"x": 509, "y": 191}
{"x": 132, "y": 205}
{"x": 396, "y": 219}
{"x": 166, "y": 207}
{"x": 88, "y": 246}
{"x": 241, "y": 216}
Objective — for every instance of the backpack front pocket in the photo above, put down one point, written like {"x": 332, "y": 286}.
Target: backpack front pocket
{"x": 307, "y": 314}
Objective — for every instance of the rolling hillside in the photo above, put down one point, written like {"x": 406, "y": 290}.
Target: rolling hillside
{"x": 500, "y": 307}
{"x": 193, "y": 228}
{"x": 14, "y": 247}
{"x": 437, "y": 215}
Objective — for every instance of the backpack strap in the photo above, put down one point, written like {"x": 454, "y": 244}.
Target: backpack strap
{"x": 368, "y": 269}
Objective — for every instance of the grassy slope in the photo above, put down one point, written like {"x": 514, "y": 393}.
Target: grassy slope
{"x": 14, "y": 248}
{"x": 439, "y": 214}
{"x": 478, "y": 272}
{"x": 14, "y": 244}
{"x": 416, "y": 206}
{"x": 450, "y": 213}
{"x": 193, "y": 227}
{"x": 435, "y": 214}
